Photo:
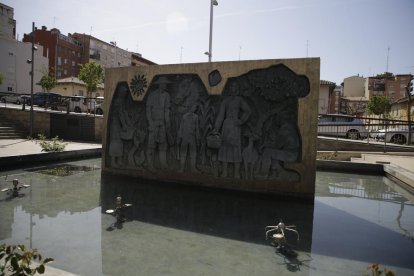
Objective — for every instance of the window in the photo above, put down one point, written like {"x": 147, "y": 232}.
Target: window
{"x": 59, "y": 61}
{"x": 73, "y": 63}
{"x": 80, "y": 92}
{"x": 65, "y": 61}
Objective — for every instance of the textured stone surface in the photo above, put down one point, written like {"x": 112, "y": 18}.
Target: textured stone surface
{"x": 248, "y": 125}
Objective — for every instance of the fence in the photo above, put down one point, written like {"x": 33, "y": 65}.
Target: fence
{"x": 56, "y": 102}
{"x": 369, "y": 130}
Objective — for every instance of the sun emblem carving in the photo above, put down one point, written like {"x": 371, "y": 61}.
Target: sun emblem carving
{"x": 138, "y": 85}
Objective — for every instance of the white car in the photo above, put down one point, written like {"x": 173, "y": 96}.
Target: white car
{"x": 75, "y": 104}
{"x": 345, "y": 126}
{"x": 80, "y": 104}
{"x": 397, "y": 135}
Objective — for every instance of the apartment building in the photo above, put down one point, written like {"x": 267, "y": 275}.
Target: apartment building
{"x": 108, "y": 54}
{"x": 64, "y": 52}
{"x": 7, "y": 22}
{"x": 14, "y": 56}
{"x": 387, "y": 84}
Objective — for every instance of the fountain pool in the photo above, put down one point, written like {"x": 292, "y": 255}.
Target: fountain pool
{"x": 181, "y": 230}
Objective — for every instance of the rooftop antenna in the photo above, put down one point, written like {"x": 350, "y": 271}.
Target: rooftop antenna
{"x": 90, "y": 31}
{"x": 54, "y": 21}
{"x": 388, "y": 56}
{"x": 240, "y": 49}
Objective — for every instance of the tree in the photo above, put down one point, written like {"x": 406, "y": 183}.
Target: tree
{"x": 379, "y": 105}
{"x": 91, "y": 74}
{"x": 354, "y": 107}
{"x": 47, "y": 82}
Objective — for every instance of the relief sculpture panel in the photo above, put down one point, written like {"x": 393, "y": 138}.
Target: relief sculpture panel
{"x": 170, "y": 125}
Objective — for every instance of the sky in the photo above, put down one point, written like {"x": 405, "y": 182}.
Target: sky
{"x": 351, "y": 37}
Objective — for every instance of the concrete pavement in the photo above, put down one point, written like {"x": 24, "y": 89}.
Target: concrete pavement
{"x": 15, "y": 152}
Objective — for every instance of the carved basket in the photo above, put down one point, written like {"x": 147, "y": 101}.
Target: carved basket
{"x": 214, "y": 140}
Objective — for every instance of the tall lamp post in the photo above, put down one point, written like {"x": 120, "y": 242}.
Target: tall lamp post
{"x": 210, "y": 41}
{"x": 31, "y": 80}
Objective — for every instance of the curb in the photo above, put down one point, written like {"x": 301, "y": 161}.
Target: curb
{"x": 21, "y": 160}
{"x": 346, "y": 166}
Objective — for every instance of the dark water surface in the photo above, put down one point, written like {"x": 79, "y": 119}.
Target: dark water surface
{"x": 180, "y": 230}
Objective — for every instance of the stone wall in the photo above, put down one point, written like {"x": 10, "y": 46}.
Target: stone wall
{"x": 42, "y": 122}
{"x": 247, "y": 125}
{"x": 21, "y": 118}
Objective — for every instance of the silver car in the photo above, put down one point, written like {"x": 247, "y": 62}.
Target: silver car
{"x": 12, "y": 98}
{"x": 397, "y": 135}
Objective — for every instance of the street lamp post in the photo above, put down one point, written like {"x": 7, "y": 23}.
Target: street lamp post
{"x": 210, "y": 42}
{"x": 31, "y": 81}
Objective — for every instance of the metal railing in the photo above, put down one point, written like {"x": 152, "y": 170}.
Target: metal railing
{"x": 88, "y": 105}
{"x": 369, "y": 130}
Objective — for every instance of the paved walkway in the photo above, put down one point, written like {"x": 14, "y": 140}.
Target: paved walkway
{"x": 18, "y": 147}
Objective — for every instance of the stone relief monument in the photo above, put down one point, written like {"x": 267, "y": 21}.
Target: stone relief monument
{"x": 236, "y": 127}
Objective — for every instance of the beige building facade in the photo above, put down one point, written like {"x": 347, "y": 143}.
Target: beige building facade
{"x": 75, "y": 87}
{"x": 354, "y": 86}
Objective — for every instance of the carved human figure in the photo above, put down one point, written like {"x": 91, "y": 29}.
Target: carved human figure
{"x": 133, "y": 160}
{"x": 250, "y": 155}
{"x": 284, "y": 147}
{"x": 158, "y": 116}
{"x": 234, "y": 112}
{"x": 188, "y": 138}
{"x": 119, "y": 126}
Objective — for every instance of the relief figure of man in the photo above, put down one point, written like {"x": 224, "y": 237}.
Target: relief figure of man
{"x": 188, "y": 138}
{"x": 158, "y": 116}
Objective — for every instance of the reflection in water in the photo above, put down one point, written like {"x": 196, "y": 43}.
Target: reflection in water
{"x": 63, "y": 169}
{"x": 220, "y": 213}
{"x": 182, "y": 230}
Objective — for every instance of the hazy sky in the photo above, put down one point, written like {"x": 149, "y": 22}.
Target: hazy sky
{"x": 350, "y": 36}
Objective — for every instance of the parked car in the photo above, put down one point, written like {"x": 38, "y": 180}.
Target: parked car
{"x": 397, "y": 135}
{"x": 47, "y": 99}
{"x": 98, "y": 105}
{"x": 12, "y": 98}
{"x": 25, "y": 99}
{"x": 342, "y": 126}
{"x": 76, "y": 104}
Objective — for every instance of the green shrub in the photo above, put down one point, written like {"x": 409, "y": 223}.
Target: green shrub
{"x": 50, "y": 145}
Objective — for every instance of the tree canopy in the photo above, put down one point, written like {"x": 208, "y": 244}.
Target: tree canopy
{"x": 47, "y": 82}
{"x": 379, "y": 105}
{"x": 91, "y": 74}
